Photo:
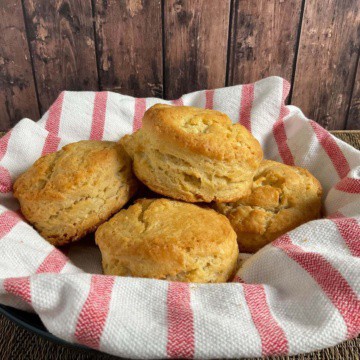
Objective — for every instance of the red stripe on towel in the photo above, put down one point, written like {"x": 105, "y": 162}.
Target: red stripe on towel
{"x": 92, "y": 318}
{"x": 140, "y": 108}
{"x": 5, "y": 180}
{"x": 273, "y": 338}
{"x": 5, "y": 176}
{"x": 181, "y": 338}
{"x": 98, "y": 116}
{"x": 349, "y": 229}
{"x": 8, "y": 219}
{"x": 332, "y": 149}
{"x": 19, "y": 287}
{"x": 247, "y": 98}
{"x": 349, "y": 185}
{"x": 4, "y": 142}
{"x": 52, "y": 125}
{"x": 329, "y": 279}
{"x": 279, "y": 129}
{"x": 53, "y": 263}
{"x": 51, "y": 144}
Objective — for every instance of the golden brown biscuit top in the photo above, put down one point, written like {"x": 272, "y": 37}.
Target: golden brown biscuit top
{"x": 73, "y": 168}
{"x": 169, "y": 230}
{"x": 206, "y": 132}
{"x": 278, "y": 186}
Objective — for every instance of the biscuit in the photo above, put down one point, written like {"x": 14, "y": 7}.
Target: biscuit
{"x": 169, "y": 240}
{"x": 193, "y": 154}
{"x": 69, "y": 193}
{"x": 283, "y": 197}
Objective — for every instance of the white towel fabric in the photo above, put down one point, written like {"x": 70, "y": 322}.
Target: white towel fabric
{"x": 298, "y": 294}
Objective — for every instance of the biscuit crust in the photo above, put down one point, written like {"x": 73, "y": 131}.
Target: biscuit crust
{"x": 69, "y": 193}
{"x": 193, "y": 154}
{"x": 169, "y": 240}
{"x": 282, "y": 198}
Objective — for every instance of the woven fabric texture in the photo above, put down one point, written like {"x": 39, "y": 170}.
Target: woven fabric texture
{"x": 298, "y": 294}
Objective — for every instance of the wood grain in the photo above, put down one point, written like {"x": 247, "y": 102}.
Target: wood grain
{"x": 129, "y": 37}
{"x": 263, "y": 39}
{"x": 195, "y": 45}
{"x": 353, "y": 120}
{"x": 17, "y": 88}
{"x": 326, "y": 64}
{"x": 61, "y": 35}
{"x": 165, "y": 48}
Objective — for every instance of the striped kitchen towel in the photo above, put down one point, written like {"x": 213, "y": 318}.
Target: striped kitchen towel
{"x": 298, "y": 294}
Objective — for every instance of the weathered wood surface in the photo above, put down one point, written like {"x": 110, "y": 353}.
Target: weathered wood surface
{"x": 263, "y": 39}
{"x": 61, "y": 35}
{"x": 327, "y": 60}
{"x": 195, "y": 45}
{"x": 17, "y": 88}
{"x": 353, "y": 121}
{"x": 165, "y": 48}
{"x": 129, "y": 39}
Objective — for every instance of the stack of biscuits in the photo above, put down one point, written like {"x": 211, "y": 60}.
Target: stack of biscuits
{"x": 209, "y": 195}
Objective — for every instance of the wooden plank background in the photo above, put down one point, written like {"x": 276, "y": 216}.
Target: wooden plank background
{"x": 165, "y": 48}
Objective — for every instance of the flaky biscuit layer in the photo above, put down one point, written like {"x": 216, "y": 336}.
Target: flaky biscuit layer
{"x": 68, "y": 193}
{"x": 170, "y": 240}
